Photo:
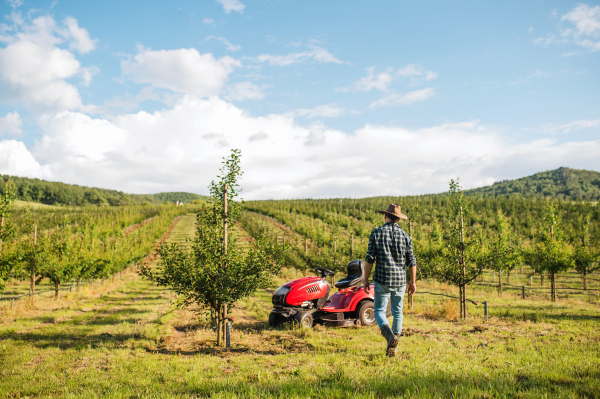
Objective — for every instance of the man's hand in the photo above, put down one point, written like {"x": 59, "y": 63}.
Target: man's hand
{"x": 366, "y": 286}
{"x": 412, "y": 288}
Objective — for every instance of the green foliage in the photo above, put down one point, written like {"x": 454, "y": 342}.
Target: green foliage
{"x": 7, "y": 200}
{"x": 504, "y": 249}
{"x": 458, "y": 259}
{"x": 56, "y": 193}
{"x": 173, "y": 197}
{"x": 563, "y": 183}
{"x": 585, "y": 258}
{"x": 216, "y": 272}
{"x": 551, "y": 253}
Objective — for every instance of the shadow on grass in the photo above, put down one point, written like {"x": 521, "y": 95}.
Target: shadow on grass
{"x": 344, "y": 383}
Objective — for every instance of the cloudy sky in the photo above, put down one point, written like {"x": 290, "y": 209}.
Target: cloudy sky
{"x": 335, "y": 98}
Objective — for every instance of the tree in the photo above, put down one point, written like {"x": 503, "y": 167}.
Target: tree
{"x": 60, "y": 265}
{"x": 458, "y": 260}
{"x": 32, "y": 251}
{"x": 551, "y": 253}
{"x": 584, "y": 258}
{"x": 216, "y": 272}
{"x": 6, "y": 202}
{"x": 504, "y": 251}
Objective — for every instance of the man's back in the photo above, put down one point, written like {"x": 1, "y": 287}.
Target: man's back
{"x": 390, "y": 248}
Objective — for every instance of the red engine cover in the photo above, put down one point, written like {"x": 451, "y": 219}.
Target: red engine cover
{"x": 306, "y": 289}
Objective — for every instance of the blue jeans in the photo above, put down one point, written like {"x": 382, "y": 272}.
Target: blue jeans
{"x": 382, "y": 296}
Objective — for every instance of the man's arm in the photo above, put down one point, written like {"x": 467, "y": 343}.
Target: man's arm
{"x": 412, "y": 267}
{"x": 369, "y": 260}
{"x": 412, "y": 287}
{"x": 367, "y": 273}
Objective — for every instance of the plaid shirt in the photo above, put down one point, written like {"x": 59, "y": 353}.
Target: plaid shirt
{"x": 391, "y": 247}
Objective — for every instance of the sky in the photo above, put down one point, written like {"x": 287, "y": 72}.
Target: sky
{"x": 336, "y": 98}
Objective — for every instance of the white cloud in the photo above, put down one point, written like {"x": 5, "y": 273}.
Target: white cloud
{"x": 245, "y": 91}
{"x": 404, "y": 99}
{"x": 180, "y": 149}
{"x": 536, "y": 75}
{"x": 232, "y": 5}
{"x": 380, "y": 81}
{"x": 34, "y": 68}
{"x": 586, "y": 30}
{"x": 81, "y": 41}
{"x": 227, "y": 43}
{"x": 15, "y": 3}
{"x": 586, "y": 20}
{"x": 16, "y": 160}
{"x": 321, "y": 111}
{"x": 11, "y": 124}
{"x": 209, "y": 21}
{"x": 568, "y": 127}
{"x": 383, "y": 80}
{"x": 316, "y": 53}
{"x": 182, "y": 71}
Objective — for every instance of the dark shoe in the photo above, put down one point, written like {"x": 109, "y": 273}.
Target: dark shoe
{"x": 392, "y": 340}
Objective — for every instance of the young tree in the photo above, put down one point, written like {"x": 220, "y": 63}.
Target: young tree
{"x": 504, "y": 251}
{"x": 216, "y": 272}
{"x": 32, "y": 251}
{"x": 6, "y": 202}
{"x": 586, "y": 261}
{"x": 60, "y": 266}
{"x": 551, "y": 252}
{"x": 458, "y": 260}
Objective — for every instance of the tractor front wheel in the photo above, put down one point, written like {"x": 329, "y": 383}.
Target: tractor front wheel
{"x": 304, "y": 320}
{"x": 276, "y": 319}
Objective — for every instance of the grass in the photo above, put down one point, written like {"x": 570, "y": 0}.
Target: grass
{"x": 33, "y": 205}
{"x": 127, "y": 339}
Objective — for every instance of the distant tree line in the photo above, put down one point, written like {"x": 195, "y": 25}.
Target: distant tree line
{"x": 56, "y": 193}
{"x": 561, "y": 183}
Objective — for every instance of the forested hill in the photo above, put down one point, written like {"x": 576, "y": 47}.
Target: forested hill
{"x": 562, "y": 183}
{"x": 56, "y": 193}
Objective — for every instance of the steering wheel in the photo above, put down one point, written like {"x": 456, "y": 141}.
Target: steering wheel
{"x": 324, "y": 272}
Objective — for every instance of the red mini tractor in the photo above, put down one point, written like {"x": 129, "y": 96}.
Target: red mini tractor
{"x": 306, "y": 301}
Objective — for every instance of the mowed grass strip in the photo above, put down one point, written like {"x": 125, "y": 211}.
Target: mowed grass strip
{"x": 132, "y": 342}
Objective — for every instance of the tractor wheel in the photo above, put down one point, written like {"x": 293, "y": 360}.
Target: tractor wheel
{"x": 303, "y": 320}
{"x": 365, "y": 313}
{"x": 276, "y": 319}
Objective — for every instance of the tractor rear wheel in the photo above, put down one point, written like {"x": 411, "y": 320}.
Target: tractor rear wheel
{"x": 365, "y": 313}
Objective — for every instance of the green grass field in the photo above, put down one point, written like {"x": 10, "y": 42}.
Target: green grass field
{"x": 127, "y": 339}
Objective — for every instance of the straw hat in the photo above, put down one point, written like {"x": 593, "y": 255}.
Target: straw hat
{"x": 393, "y": 210}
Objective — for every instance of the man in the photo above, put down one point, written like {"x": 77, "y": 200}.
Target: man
{"x": 391, "y": 249}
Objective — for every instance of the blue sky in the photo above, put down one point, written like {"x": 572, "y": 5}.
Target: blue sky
{"x": 324, "y": 98}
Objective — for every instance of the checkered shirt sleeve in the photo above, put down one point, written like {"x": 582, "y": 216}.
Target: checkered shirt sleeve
{"x": 391, "y": 250}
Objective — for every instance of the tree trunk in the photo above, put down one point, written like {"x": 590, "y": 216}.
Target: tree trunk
{"x": 56, "y": 287}
{"x": 541, "y": 278}
{"x": 78, "y": 284}
{"x": 462, "y": 268}
{"x": 553, "y": 287}
{"x": 219, "y": 320}
{"x": 584, "y": 276}
{"x": 508, "y": 277}
{"x": 32, "y": 285}
{"x": 499, "y": 283}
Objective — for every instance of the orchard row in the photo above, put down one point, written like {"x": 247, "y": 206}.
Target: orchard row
{"x": 83, "y": 243}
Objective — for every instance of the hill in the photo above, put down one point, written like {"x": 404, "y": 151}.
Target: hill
{"x": 56, "y": 193}
{"x": 562, "y": 183}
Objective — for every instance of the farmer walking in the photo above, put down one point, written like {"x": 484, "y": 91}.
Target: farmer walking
{"x": 390, "y": 248}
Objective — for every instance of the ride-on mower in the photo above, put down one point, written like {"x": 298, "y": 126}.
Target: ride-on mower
{"x": 306, "y": 301}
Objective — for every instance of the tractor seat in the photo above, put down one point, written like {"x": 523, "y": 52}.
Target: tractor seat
{"x": 355, "y": 275}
